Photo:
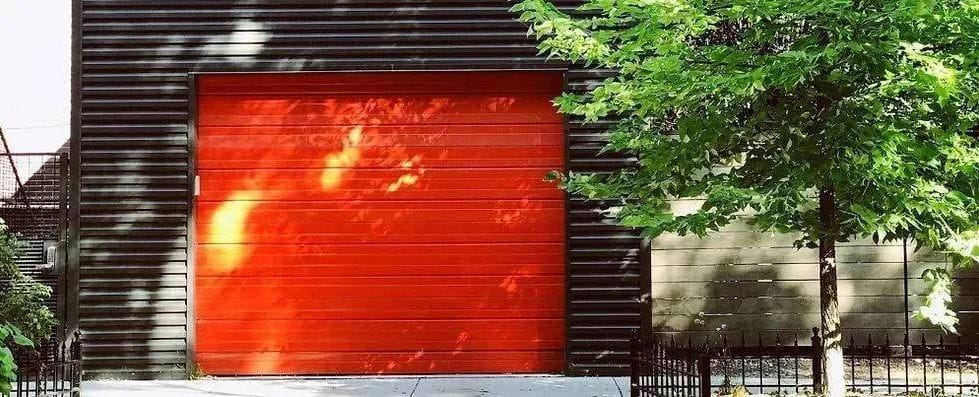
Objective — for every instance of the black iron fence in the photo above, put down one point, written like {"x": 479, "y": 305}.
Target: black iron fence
{"x": 52, "y": 368}
{"x": 34, "y": 206}
{"x": 666, "y": 366}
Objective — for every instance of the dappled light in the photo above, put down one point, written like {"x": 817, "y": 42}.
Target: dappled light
{"x": 403, "y": 180}
{"x": 340, "y": 162}
{"x": 744, "y": 281}
{"x": 407, "y": 229}
{"x": 227, "y": 230}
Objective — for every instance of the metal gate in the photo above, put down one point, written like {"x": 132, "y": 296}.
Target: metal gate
{"x": 34, "y": 205}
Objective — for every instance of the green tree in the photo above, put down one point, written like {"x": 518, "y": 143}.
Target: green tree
{"x": 833, "y": 119}
{"x": 10, "y": 335}
{"x": 23, "y": 316}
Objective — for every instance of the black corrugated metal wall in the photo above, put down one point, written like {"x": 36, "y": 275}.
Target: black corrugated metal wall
{"x": 132, "y": 91}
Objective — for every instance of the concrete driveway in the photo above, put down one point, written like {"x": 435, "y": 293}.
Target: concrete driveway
{"x": 454, "y": 386}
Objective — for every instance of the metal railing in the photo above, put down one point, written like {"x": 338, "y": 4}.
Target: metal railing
{"x": 52, "y": 368}
{"x": 34, "y": 207}
{"x": 664, "y": 366}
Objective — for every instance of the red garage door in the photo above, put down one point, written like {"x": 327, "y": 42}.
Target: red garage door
{"x": 366, "y": 223}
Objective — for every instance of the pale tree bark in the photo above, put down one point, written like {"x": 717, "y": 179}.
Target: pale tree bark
{"x": 833, "y": 378}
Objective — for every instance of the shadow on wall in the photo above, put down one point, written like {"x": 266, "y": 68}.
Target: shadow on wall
{"x": 133, "y": 236}
{"x": 739, "y": 281}
{"x": 134, "y": 242}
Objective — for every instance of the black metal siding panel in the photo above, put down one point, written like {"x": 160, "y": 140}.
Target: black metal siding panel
{"x": 133, "y": 108}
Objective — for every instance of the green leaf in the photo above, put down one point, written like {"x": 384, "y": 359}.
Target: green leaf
{"x": 23, "y": 340}
{"x": 865, "y": 214}
{"x": 755, "y": 107}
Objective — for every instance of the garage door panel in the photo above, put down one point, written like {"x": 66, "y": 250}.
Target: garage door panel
{"x": 319, "y": 89}
{"x": 332, "y": 231}
{"x": 350, "y": 335}
{"x": 308, "y": 266}
{"x": 359, "y": 83}
{"x": 323, "y": 137}
{"x": 510, "y": 283}
{"x": 273, "y": 290}
{"x": 385, "y": 363}
{"x": 368, "y": 178}
{"x": 403, "y": 211}
{"x": 396, "y": 343}
{"x": 374, "y": 184}
{"x": 495, "y": 238}
{"x": 357, "y": 235}
{"x": 374, "y": 110}
{"x": 401, "y": 194}
{"x": 355, "y": 329}
{"x": 223, "y": 337}
{"x": 401, "y": 224}
{"x": 327, "y": 303}
{"x": 371, "y": 313}
{"x": 446, "y": 252}
{"x": 386, "y": 143}
{"x": 456, "y": 157}
{"x": 221, "y": 258}
{"x": 293, "y": 226}
{"x": 353, "y": 123}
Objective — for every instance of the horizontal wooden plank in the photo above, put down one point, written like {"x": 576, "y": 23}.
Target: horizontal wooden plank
{"x": 768, "y": 255}
{"x": 796, "y": 304}
{"x": 795, "y": 271}
{"x": 770, "y": 322}
{"x": 792, "y": 288}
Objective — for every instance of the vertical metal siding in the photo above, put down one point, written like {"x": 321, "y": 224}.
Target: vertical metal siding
{"x": 132, "y": 123}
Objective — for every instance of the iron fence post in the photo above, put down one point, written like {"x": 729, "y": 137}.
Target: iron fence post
{"x": 665, "y": 369}
{"x": 817, "y": 362}
{"x": 703, "y": 371}
{"x": 634, "y": 372}
{"x": 76, "y": 366}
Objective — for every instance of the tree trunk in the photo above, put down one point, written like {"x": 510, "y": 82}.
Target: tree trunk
{"x": 833, "y": 379}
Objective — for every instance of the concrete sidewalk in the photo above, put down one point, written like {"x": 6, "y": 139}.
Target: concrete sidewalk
{"x": 453, "y": 386}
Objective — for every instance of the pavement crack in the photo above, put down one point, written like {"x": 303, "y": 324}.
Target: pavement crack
{"x": 618, "y": 386}
{"x": 419, "y": 380}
